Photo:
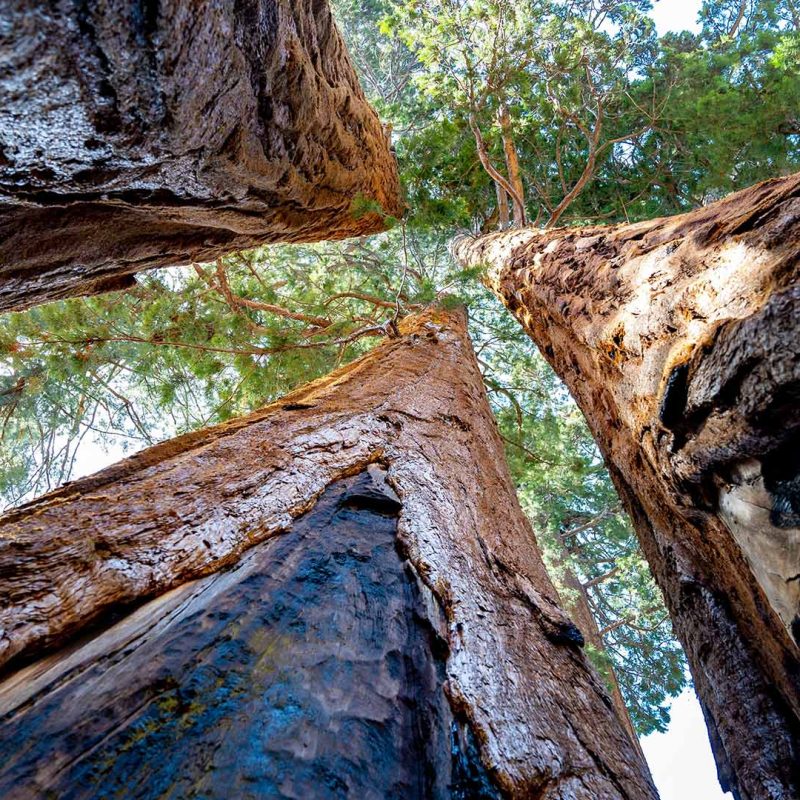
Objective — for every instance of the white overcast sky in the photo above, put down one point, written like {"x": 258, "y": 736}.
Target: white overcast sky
{"x": 675, "y": 15}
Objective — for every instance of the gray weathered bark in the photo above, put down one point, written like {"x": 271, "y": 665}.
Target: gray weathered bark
{"x": 517, "y": 682}
{"x": 144, "y": 134}
{"x": 679, "y": 340}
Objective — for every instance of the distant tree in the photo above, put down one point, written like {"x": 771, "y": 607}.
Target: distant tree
{"x": 608, "y": 122}
{"x": 731, "y": 119}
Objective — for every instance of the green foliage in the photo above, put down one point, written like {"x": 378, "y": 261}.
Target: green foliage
{"x": 361, "y": 206}
{"x": 632, "y": 126}
{"x": 732, "y": 118}
{"x": 566, "y": 74}
{"x": 189, "y": 347}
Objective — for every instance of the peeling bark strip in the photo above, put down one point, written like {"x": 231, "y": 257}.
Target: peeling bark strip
{"x": 679, "y": 338}
{"x": 143, "y": 134}
{"x": 416, "y": 404}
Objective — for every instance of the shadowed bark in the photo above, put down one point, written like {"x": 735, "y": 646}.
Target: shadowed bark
{"x": 139, "y": 134}
{"x": 679, "y": 340}
{"x": 518, "y": 687}
{"x": 309, "y": 670}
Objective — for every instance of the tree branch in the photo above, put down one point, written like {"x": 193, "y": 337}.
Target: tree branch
{"x": 601, "y": 578}
{"x": 483, "y": 155}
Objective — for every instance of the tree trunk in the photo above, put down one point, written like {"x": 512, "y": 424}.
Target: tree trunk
{"x": 140, "y": 135}
{"x": 580, "y": 612}
{"x": 679, "y": 340}
{"x": 512, "y": 165}
{"x": 403, "y": 631}
{"x": 502, "y": 207}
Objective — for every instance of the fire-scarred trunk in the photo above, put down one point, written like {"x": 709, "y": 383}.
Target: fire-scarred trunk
{"x": 144, "y": 134}
{"x": 311, "y": 649}
{"x": 679, "y": 340}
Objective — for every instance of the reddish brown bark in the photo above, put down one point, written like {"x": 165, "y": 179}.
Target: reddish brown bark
{"x": 139, "y": 135}
{"x": 580, "y": 611}
{"x": 515, "y": 674}
{"x": 679, "y": 340}
{"x": 512, "y": 165}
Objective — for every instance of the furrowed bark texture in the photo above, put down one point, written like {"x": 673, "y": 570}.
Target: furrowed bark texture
{"x": 142, "y": 134}
{"x": 679, "y": 340}
{"x": 517, "y": 682}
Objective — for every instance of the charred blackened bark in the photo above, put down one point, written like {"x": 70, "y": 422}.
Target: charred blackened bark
{"x": 143, "y": 134}
{"x": 467, "y": 614}
{"x": 308, "y": 670}
{"x": 679, "y": 340}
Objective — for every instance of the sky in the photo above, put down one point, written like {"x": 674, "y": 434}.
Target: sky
{"x": 675, "y": 15}
{"x": 680, "y": 759}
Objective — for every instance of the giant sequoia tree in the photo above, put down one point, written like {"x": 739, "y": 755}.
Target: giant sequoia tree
{"x": 679, "y": 340}
{"x": 135, "y": 135}
{"x": 337, "y": 609}
{"x": 188, "y": 347}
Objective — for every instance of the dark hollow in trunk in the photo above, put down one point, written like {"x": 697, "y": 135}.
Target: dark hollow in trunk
{"x": 464, "y": 599}
{"x": 308, "y": 670}
{"x": 679, "y": 340}
{"x": 137, "y": 135}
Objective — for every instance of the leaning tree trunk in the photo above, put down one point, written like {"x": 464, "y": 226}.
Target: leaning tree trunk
{"x": 347, "y": 596}
{"x": 143, "y": 134}
{"x": 580, "y": 611}
{"x": 679, "y": 340}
